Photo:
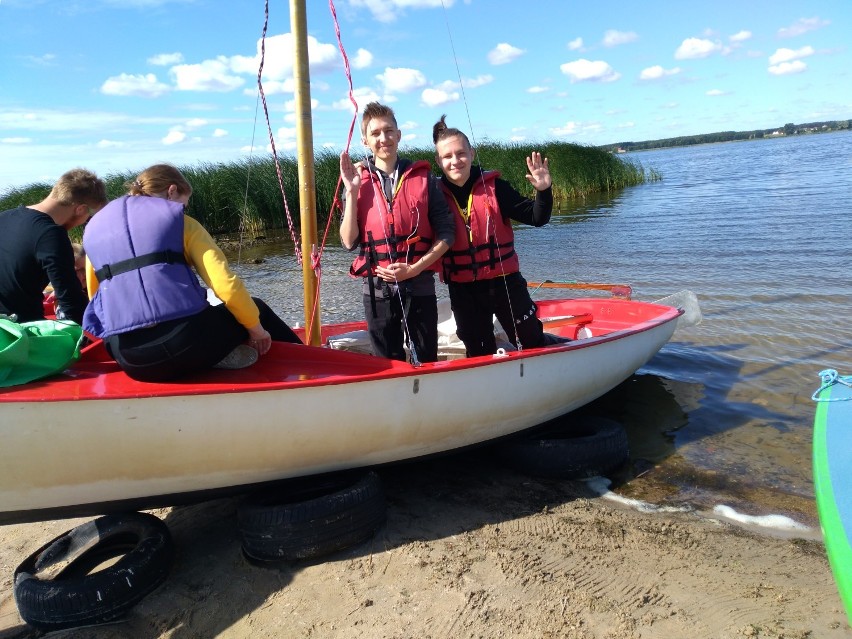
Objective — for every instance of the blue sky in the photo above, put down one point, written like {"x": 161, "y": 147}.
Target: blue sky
{"x": 115, "y": 85}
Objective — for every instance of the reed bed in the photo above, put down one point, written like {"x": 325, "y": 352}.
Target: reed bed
{"x": 244, "y": 196}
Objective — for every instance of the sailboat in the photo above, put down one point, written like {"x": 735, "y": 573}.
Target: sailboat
{"x": 91, "y": 440}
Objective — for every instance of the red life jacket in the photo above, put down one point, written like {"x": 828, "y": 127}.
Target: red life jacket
{"x": 398, "y": 231}
{"x": 484, "y": 247}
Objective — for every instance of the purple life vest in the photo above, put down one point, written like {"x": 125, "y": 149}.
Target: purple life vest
{"x": 135, "y": 244}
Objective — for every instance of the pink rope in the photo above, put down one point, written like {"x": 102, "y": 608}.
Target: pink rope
{"x": 316, "y": 253}
{"x": 293, "y": 235}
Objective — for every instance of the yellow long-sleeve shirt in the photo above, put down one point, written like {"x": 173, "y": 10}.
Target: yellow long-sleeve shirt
{"x": 202, "y": 253}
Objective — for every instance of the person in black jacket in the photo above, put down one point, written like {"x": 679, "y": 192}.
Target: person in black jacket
{"x": 35, "y": 249}
{"x": 481, "y": 268}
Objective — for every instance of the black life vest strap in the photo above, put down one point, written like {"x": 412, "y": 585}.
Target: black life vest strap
{"x": 495, "y": 256}
{"x": 372, "y": 265}
{"x": 108, "y": 271}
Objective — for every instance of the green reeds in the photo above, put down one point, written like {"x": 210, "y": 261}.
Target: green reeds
{"x": 244, "y": 196}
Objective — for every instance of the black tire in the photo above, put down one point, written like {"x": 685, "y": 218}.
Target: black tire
{"x": 310, "y": 517}
{"x": 593, "y": 446}
{"x": 82, "y": 594}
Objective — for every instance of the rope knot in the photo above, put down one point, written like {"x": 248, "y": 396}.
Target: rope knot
{"x": 829, "y": 377}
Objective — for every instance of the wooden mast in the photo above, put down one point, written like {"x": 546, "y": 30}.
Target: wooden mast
{"x": 305, "y": 161}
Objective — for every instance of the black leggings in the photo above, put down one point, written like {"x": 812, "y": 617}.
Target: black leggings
{"x": 187, "y": 345}
{"x": 475, "y": 303}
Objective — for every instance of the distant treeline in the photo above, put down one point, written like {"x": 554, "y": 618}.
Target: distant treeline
{"x": 245, "y": 194}
{"x": 729, "y": 136}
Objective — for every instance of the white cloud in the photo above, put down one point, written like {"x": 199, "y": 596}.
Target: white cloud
{"x": 402, "y": 80}
{"x": 740, "y": 36}
{"x": 788, "y": 68}
{"x": 576, "y": 44}
{"x": 362, "y": 59}
{"x": 219, "y": 133}
{"x": 166, "y": 59}
{"x": 478, "y": 81}
{"x": 389, "y": 10}
{"x": 537, "y": 89}
{"x": 273, "y": 87}
{"x": 74, "y": 121}
{"x": 46, "y": 60}
{"x": 504, "y": 53}
{"x": 587, "y": 70}
{"x": 194, "y": 123}
{"x": 109, "y": 144}
{"x": 613, "y": 38}
{"x": 285, "y": 139}
{"x": 696, "y": 48}
{"x": 787, "y": 55}
{"x": 716, "y": 92}
{"x": 290, "y": 108}
{"x": 139, "y": 86}
{"x": 15, "y": 140}
{"x": 517, "y": 138}
{"x": 437, "y": 97}
{"x": 210, "y": 75}
{"x": 656, "y": 72}
{"x": 802, "y": 25}
{"x": 362, "y": 96}
{"x": 174, "y": 137}
{"x": 569, "y": 128}
{"x": 278, "y": 59}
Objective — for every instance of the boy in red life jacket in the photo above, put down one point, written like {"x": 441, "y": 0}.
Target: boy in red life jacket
{"x": 398, "y": 219}
{"x": 481, "y": 268}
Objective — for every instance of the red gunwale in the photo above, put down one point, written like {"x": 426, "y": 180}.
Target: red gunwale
{"x": 96, "y": 377}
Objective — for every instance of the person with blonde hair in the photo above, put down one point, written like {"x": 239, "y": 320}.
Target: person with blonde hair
{"x": 35, "y": 250}
{"x": 396, "y": 218}
{"x": 146, "y": 301}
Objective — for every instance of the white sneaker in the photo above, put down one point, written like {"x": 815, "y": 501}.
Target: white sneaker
{"x": 241, "y": 357}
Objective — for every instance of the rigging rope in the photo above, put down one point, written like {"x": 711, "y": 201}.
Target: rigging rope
{"x": 489, "y": 211}
{"x": 296, "y": 241}
{"x": 380, "y": 196}
{"x": 829, "y": 378}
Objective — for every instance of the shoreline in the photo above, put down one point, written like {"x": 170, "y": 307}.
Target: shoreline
{"x": 474, "y": 550}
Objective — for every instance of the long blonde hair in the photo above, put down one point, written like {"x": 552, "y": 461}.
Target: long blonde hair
{"x": 156, "y": 180}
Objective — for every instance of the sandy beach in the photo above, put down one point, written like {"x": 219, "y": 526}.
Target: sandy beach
{"x": 471, "y": 549}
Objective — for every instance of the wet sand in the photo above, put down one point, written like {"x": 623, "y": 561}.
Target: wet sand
{"x": 471, "y": 549}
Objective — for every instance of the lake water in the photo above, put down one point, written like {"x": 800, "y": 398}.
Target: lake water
{"x": 761, "y": 232}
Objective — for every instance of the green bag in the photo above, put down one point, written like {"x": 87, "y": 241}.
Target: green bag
{"x": 33, "y": 350}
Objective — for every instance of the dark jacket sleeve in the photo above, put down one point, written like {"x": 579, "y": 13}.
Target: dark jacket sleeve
{"x": 440, "y": 217}
{"x": 54, "y": 253}
{"x": 523, "y": 209}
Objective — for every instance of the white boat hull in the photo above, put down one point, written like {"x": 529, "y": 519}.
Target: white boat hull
{"x": 83, "y": 454}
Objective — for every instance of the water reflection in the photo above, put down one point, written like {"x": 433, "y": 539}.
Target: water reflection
{"x": 592, "y": 206}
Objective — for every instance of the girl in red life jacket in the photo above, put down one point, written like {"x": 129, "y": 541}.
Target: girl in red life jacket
{"x": 481, "y": 268}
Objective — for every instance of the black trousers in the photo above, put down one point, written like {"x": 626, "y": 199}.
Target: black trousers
{"x": 475, "y": 303}
{"x": 186, "y": 345}
{"x": 388, "y": 318}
